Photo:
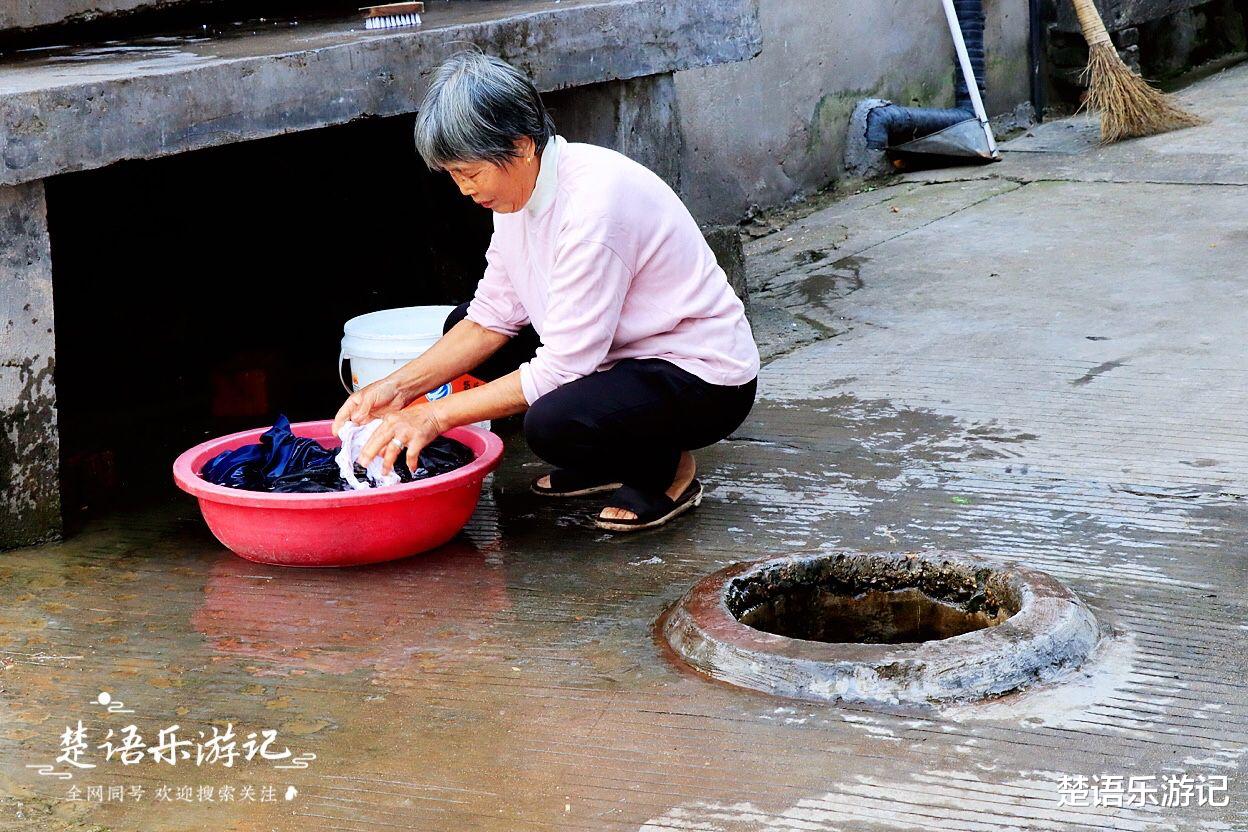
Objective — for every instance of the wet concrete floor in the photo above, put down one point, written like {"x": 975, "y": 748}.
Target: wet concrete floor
{"x": 1039, "y": 362}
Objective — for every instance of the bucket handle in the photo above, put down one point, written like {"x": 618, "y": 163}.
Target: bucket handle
{"x": 342, "y": 353}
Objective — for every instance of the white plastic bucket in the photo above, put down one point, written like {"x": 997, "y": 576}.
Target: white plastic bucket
{"x": 378, "y": 343}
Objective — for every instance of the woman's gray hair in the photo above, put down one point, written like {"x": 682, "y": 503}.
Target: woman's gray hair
{"x": 476, "y": 107}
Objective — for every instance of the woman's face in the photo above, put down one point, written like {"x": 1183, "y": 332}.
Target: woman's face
{"x": 503, "y": 188}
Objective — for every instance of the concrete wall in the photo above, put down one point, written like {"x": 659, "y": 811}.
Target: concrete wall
{"x": 30, "y": 509}
{"x": 1117, "y": 14}
{"x": 638, "y": 117}
{"x": 765, "y": 130}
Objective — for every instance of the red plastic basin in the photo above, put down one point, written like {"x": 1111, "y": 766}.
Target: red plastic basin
{"x": 342, "y": 528}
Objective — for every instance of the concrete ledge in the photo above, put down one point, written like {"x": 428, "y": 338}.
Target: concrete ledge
{"x": 70, "y": 110}
{"x": 27, "y": 14}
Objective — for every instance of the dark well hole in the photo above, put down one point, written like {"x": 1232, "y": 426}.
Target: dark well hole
{"x": 871, "y": 599}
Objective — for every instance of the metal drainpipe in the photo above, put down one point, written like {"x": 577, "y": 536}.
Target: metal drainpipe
{"x": 1036, "y": 53}
{"x": 893, "y": 123}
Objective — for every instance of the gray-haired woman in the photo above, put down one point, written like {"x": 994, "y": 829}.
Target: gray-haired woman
{"x": 602, "y": 311}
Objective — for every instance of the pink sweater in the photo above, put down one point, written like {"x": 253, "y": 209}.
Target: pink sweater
{"x": 607, "y": 263}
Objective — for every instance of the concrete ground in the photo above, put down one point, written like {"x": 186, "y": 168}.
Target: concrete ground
{"x": 1041, "y": 361}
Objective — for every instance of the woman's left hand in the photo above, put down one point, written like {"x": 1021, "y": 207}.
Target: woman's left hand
{"x": 413, "y": 429}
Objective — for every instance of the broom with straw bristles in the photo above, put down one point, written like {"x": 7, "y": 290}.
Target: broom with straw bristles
{"x": 1128, "y": 106}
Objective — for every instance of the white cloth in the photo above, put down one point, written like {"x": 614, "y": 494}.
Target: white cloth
{"x": 354, "y": 437}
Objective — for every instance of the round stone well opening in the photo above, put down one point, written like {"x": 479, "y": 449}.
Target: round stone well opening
{"x": 881, "y": 627}
{"x": 869, "y": 600}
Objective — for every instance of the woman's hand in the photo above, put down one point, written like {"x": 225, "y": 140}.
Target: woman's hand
{"x": 412, "y": 429}
{"x": 371, "y": 402}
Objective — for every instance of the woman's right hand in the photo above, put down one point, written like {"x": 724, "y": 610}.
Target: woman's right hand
{"x": 371, "y": 402}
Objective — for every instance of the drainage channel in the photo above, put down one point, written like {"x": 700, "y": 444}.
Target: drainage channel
{"x": 888, "y": 628}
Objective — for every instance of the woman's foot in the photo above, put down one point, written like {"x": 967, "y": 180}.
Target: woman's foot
{"x": 563, "y": 482}
{"x": 686, "y": 470}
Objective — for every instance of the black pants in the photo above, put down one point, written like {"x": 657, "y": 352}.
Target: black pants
{"x": 627, "y": 424}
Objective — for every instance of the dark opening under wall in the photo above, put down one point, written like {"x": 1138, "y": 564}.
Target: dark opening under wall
{"x": 205, "y": 293}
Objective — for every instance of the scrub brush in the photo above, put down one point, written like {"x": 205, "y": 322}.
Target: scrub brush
{"x": 392, "y": 15}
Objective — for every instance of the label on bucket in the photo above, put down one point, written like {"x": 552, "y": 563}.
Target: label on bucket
{"x": 464, "y": 382}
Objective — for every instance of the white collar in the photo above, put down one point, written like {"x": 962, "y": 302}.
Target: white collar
{"x": 547, "y": 178}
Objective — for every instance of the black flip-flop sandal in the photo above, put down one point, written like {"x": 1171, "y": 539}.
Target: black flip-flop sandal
{"x": 568, "y": 483}
{"x": 652, "y": 510}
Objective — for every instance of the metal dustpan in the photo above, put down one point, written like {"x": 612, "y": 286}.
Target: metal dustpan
{"x": 964, "y": 139}
{"x": 967, "y": 139}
